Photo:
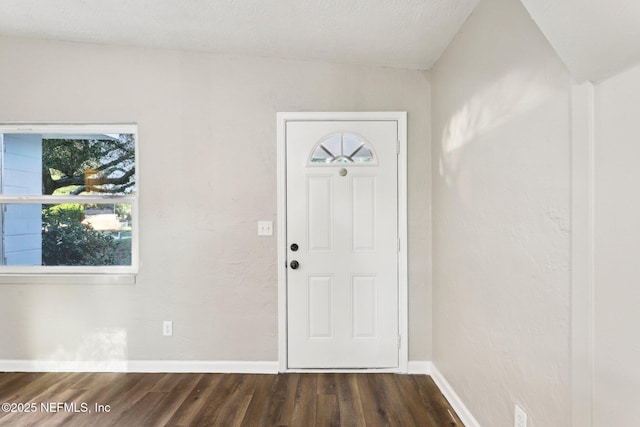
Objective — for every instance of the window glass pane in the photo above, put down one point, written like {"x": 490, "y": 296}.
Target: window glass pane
{"x": 341, "y": 159}
{"x": 88, "y": 164}
{"x": 68, "y": 164}
{"x": 22, "y": 234}
{"x": 350, "y": 144}
{"x": 74, "y": 234}
{"x": 332, "y": 144}
{"x": 341, "y": 149}
{"x": 321, "y": 156}
{"x": 363, "y": 156}
{"x": 22, "y": 164}
{"x": 68, "y": 194}
{"x": 67, "y": 234}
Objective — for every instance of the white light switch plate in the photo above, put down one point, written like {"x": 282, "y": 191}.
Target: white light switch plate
{"x": 167, "y": 328}
{"x": 265, "y": 228}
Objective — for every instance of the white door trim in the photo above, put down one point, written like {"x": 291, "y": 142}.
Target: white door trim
{"x": 403, "y": 310}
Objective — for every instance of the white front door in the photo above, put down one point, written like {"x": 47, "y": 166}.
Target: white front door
{"x": 342, "y": 244}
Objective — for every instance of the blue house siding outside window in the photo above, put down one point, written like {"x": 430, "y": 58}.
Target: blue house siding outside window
{"x": 22, "y": 224}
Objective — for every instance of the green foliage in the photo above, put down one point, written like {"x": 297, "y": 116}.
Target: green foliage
{"x": 123, "y": 210}
{"x": 97, "y": 164}
{"x": 70, "y": 156}
{"x": 86, "y": 166}
{"x": 67, "y": 241}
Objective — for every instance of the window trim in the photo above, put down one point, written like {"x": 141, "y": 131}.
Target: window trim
{"x": 77, "y": 274}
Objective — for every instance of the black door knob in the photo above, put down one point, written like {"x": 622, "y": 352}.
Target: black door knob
{"x": 294, "y": 264}
{"x": 294, "y": 247}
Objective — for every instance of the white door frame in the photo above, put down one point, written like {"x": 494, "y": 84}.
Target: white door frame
{"x": 403, "y": 301}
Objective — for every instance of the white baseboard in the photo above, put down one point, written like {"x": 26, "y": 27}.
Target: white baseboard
{"x": 453, "y": 398}
{"x": 419, "y": 367}
{"x": 178, "y": 366}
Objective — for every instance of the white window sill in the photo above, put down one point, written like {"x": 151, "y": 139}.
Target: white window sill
{"x": 67, "y": 279}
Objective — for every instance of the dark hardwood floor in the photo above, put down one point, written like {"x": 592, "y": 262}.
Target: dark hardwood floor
{"x": 306, "y": 400}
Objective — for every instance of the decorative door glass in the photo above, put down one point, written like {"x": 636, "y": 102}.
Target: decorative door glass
{"x": 341, "y": 148}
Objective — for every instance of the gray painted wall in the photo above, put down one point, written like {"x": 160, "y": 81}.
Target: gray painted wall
{"x": 207, "y": 129}
{"x": 501, "y": 219}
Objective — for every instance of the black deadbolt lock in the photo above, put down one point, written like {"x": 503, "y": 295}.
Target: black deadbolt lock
{"x": 294, "y": 247}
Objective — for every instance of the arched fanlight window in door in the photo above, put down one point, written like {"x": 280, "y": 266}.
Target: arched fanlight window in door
{"x": 341, "y": 148}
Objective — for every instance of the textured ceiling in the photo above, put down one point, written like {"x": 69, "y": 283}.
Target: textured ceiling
{"x": 594, "y": 38}
{"x": 394, "y": 33}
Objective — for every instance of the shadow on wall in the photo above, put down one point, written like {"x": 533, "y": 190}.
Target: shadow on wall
{"x": 516, "y": 93}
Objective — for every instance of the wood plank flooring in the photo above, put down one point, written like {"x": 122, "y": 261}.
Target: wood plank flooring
{"x": 305, "y": 400}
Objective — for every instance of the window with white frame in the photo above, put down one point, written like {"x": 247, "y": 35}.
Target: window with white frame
{"x": 68, "y": 199}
